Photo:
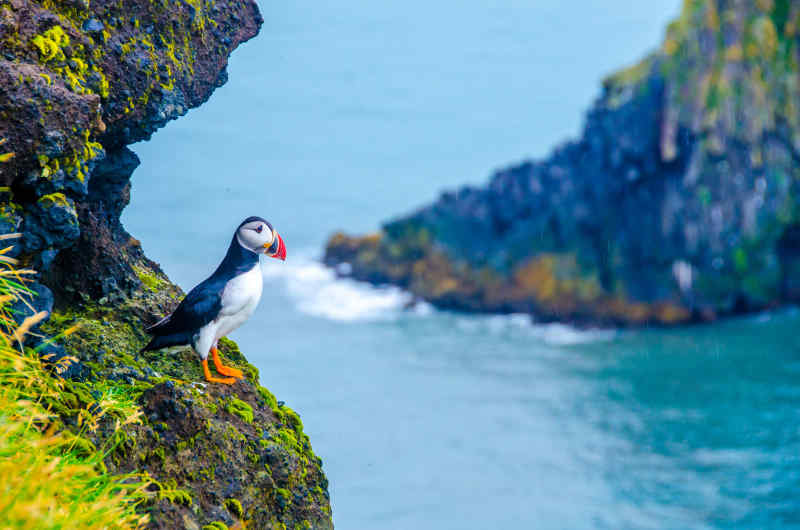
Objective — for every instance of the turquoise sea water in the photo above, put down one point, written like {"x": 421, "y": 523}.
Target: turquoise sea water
{"x": 343, "y": 114}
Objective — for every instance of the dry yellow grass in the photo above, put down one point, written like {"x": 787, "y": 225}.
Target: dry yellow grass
{"x": 47, "y": 479}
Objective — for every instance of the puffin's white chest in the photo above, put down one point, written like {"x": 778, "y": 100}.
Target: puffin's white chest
{"x": 239, "y": 299}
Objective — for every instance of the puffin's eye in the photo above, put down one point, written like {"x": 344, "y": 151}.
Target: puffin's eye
{"x": 260, "y": 228}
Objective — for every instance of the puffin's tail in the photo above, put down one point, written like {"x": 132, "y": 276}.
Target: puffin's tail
{"x": 162, "y": 341}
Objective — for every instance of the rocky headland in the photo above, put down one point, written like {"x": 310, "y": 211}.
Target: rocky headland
{"x": 79, "y": 81}
{"x": 677, "y": 203}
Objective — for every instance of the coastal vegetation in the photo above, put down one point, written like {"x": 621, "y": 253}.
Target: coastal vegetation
{"x": 54, "y": 477}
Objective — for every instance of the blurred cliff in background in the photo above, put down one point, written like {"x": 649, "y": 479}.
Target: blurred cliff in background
{"x": 678, "y": 203}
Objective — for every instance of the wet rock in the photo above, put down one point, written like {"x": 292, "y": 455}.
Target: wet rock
{"x": 92, "y": 25}
{"x": 50, "y": 223}
{"x": 54, "y": 144}
{"x": 40, "y": 298}
{"x": 10, "y": 223}
{"x": 55, "y": 357}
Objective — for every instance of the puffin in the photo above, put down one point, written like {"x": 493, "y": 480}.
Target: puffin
{"x": 222, "y": 302}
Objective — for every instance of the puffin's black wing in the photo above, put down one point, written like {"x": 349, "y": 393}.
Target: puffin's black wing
{"x": 198, "y": 308}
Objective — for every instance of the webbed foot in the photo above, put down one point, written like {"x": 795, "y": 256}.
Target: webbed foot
{"x": 221, "y": 368}
{"x": 212, "y": 379}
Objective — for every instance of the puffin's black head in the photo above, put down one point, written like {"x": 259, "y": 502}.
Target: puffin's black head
{"x": 257, "y": 235}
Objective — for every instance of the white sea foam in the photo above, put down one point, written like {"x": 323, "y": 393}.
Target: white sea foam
{"x": 565, "y": 335}
{"x": 551, "y": 333}
{"x": 317, "y": 291}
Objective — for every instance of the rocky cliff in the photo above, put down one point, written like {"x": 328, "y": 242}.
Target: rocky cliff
{"x": 679, "y": 201}
{"x": 79, "y": 81}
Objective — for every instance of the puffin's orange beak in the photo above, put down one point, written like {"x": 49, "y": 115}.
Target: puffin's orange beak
{"x": 281, "y": 252}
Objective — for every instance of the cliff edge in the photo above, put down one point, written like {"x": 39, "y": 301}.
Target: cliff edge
{"x": 79, "y": 81}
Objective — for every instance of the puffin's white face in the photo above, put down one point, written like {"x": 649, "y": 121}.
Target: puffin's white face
{"x": 261, "y": 238}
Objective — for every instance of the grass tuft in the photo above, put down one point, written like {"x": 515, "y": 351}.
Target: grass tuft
{"x": 50, "y": 477}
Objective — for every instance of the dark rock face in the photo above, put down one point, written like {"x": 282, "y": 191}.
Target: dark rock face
{"x": 677, "y": 202}
{"x": 183, "y": 422}
{"x": 79, "y": 82}
{"x": 100, "y": 263}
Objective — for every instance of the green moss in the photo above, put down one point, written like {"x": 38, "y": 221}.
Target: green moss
{"x": 211, "y": 406}
{"x": 284, "y": 496}
{"x": 122, "y": 444}
{"x": 288, "y": 439}
{"x": 216, "y": 525}
{"x": 150, "y": 279}
{"x": 170, "y": 492}
{"x": 187, "y": 444}
{"x": 78, "y": 68}
{"x": 293, "y": 418}
{"x": 74, "y": 165}
{"x": 231, "y": 349}
{"x": 232, "y": 434}
{"x": 268, "y": 398}
{"x": 239, "y": 408}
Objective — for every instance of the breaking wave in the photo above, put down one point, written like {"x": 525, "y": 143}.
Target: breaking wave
{"x": 316, "y": 290}
{"x": 555, "y": 333}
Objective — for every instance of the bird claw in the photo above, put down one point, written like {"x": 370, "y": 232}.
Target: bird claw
{"x": 233, "y": 372}
{"x": 223, "y": 380}
{"x": 225, "y": 370}
{"x": 212, "y": 379}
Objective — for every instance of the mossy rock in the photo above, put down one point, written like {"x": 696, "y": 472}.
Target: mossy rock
{"x": 218, "y": 454}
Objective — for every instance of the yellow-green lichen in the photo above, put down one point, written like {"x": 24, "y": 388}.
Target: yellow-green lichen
{"x": 235, "y": 508}
{"x": 55, "y": 199}
{"x": 51, "y": 44}
{"x": 76, "y": 164}
{"x": 52, "y": 47}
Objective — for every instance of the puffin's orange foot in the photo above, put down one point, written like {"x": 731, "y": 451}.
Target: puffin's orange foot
{"x": 211, "y": 379}
{"x": 221, "y": 368}
{"x": 228, "y": 370}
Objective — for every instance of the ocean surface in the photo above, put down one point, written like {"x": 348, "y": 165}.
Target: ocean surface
{"x": 343, "y": 114}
